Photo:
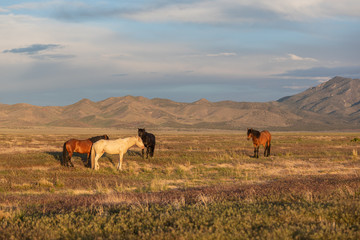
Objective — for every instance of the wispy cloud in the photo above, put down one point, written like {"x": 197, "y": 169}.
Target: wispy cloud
{"x": 225, "y": 54}
{"x": 298, "y": 58}
{"x": 348, "y": 71}
{"x": 3, "y": 10}
{"x": 296, "y": 87}
{"x": 294, "y": 57}
{"x": 244, "y": 11}
{"x": 200, "y": 11}
{"x": 32, "y": 49}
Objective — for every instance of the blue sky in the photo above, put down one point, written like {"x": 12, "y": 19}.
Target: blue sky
{"x": 58, "y": 52}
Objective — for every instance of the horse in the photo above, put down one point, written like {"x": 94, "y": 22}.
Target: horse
{"x": 80, "y": 146}
{"x": 149, "y": 142}
{"x": 260, "y": 138}
{"x": 119, "y": 146}
{"x": 97, "y": 138}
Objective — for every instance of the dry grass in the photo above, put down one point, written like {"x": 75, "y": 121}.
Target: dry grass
{"x": 189, "y": 170}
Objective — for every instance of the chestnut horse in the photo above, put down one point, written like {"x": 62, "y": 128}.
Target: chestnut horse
{"x": 260, "y": 138}
{"x": 119, "y": 146}
{"x": 79, "y": 146}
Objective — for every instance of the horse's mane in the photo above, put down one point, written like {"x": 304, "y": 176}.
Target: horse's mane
{"x": 97, "y": 138}
{"x": 256, "y": 133}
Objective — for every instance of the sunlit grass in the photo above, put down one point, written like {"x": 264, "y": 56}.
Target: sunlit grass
{"x": 198, "y": 186}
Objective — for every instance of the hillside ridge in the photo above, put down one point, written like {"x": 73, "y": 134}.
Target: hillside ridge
{"x": 331, "y": 105}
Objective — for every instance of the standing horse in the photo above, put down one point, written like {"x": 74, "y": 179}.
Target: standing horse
{"x": 260, "y": 138}
{"x": 149, "y": 142}
{"x": 79, "y": 146}
{"x": 119, "y": 146}
{"x": 97, "y": 138}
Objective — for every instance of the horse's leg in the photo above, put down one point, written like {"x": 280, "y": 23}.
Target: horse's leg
{"x": 88, "y": 160}
{"x": 121, "y": 155}
{"x": 269, "y": 149}
{"x": 265, "y": 149}
{"x": 254, "y": 151}
{"x": 142, "y": 153}
{"x": 92, "y": 158}
{"x": 257, "y": 151}
{"x": 147, "y": 152}
{"x": 69, "y": 160}
{"x": 65, "y": 153}
{"x": 96, "y": 162}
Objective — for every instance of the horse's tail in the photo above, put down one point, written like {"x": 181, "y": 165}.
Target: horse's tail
{"x": 269, "y": 144}
{"x": 65, "y": 155}
{"x": 152, "y": 145}
{"x": 92, "y": 157}
{"x": 152, "y": 149}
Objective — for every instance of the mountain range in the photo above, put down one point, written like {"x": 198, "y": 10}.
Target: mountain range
{"x": 332, "y": 105}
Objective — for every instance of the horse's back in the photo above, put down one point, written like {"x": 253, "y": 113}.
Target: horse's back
{"x": 148, "y": 139}
{"x": 266, "y": 134}
{"x": 99, "y": 144}
{"x": 109, "y": 146}
{"x": 70, "y": 145}
{"x": 80, "y": 146}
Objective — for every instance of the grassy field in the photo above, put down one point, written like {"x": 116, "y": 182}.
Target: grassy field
{"x": 199, "y": 186}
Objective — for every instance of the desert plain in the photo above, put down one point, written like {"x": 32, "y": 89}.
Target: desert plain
{"x": 199, "y": 185}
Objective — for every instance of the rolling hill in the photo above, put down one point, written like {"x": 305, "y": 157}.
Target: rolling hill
{"x": 328, "y": 106}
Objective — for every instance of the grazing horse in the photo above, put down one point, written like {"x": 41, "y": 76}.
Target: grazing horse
{"x": 149, "y": 142}
{"x": 119, "y": 146}
{"x": 260, "y": 138}
{"x": 80, "y": 146}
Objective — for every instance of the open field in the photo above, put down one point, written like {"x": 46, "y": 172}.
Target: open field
{"x": 199, "y": 186}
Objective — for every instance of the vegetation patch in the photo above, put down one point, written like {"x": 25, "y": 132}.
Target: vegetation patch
{"x": 198, "y": 186}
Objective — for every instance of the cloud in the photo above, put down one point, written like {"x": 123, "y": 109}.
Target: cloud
{"x": 120, "y": 75}
{"x": 297, "y": 58}
{"x": 200, "y": 11}
{"x": 244, "y": 11}
{"x": 3, "y": 10}
{"x": 54, "y": 56}
{"x": 32, "y": 49}
{"x": 225, "y": 54}
{"x": 293, "y": 57}
{"x": 296, "y": 87}
{"x": 348, "y": 71}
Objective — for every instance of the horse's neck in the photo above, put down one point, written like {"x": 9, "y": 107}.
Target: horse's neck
{"x": 256, "y": 134}
{"x": 129, "y": 142}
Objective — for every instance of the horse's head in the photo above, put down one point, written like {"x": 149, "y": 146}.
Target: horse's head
{"x": 141, "y": 132}
{"x": 249, "y": 133}
{"x": 139, "y": 142}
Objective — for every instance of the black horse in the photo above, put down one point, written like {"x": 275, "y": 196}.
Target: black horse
{"x": 97, "y": 138}
{"x": 149, "y": 142}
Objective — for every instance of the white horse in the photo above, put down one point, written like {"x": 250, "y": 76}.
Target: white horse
{"x": 119, "y": 146}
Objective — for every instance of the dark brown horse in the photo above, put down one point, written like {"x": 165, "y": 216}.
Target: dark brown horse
{"x": 79, "y": 146}
{"x": 260, "y": 138}
{"x": 149, "y": 142}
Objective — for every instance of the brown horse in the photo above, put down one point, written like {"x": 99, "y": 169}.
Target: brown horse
{"x": 79, "y": 146}
{"x": 260, "y": 138}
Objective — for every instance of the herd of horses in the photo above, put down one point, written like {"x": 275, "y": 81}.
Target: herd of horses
{"x": 95, "y": 147}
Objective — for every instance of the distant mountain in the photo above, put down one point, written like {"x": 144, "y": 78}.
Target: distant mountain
{"x": 338, "y": 99}
{"x": 331, "y": 105}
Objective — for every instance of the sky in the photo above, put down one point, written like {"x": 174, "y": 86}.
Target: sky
{"x": 58, "y": 52}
